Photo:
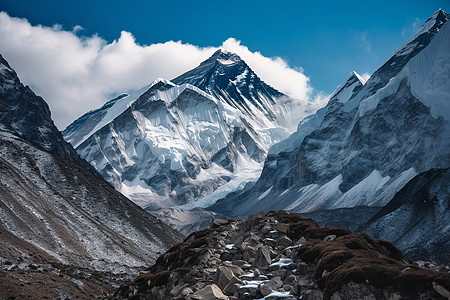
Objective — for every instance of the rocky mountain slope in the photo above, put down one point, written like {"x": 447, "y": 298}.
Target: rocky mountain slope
{"x": 283, "y": 256}
{"x": 58, "y": 218}
{"x": 197, "y": 138}
{"x": 416, "y": 219}
{"x": 370, "y": 139}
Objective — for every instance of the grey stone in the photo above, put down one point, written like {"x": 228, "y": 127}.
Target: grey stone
{"x": 262, "y": 257}
{"x": 231, "y": 288}
{"x": 186, "y": 291}
{"x": 441, "y": 290}
{"x": 249, "y": 254}
{"x": 302, "y": 268}
{"x": 266, "y": 229}
{"x": 239, "y": 262}
{"x": 272, "y": 285}
{"x": 282, "y": 273}
{"x": 301, "y": 241}
{"x": 226, "y": 256}
{"x": 283, "y": 228}
{"x": 284, "y": 242}
{"x": 270, "y": 242}
{"x": 252, "y": 290}
{"x": 218, "y": 222}
{"x": 290, "y": 279}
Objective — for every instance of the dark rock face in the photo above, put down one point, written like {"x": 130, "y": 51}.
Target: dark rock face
{"x": 27, "y": 115}
{"x": 283, "y": 256}
{"x": 420, "y": 209}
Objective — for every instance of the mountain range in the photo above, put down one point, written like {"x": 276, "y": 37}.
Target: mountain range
{"x": 368, "y": 142}
{"x": 174, "y": 142}
{"x": 217, "y": 142}
{"x": 200, "y": 140}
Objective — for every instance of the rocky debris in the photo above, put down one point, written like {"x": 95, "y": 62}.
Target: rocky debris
{"x": 280, "y": 255}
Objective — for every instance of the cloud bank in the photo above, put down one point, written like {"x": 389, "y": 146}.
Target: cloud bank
{"x": 76, "y": 74}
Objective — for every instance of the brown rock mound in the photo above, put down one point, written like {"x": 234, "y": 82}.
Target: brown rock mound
{"x": 280, "y": 255}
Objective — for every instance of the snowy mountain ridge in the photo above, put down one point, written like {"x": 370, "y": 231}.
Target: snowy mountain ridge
{"x": 369, "y": 140}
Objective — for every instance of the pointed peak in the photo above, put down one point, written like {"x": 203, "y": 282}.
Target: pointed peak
{"x": 221, "y": 51}
{"x": 161, "y": 80}
{"x": 345, "y": 90}
{"x": 352, "y": 78}
{"x": 438, "y": 13}
{"x": 224, "y": 57}
{"x": 438, "y": 16}
{"x": 362, "y": 80}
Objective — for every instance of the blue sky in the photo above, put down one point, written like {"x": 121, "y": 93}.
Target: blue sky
{"x": 328, "y": 39}
{"x": 325, "y": 39}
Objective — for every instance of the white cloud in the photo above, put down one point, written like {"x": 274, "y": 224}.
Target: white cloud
{"x": 76, "y": 74}
{"x": 274, "y": 71}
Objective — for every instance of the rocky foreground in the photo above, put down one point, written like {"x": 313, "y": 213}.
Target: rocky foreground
{"x": 283, "y": 256}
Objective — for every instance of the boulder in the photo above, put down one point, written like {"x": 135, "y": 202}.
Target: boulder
{"x": 266, "y": 229}
{"x": 262, "y": 257}
{"x": 284, "y": 242}
{"x": 329, "y": 238}
{"x": 272, "y": 285}
{"x": 249, "y": 254}
{"x": 209, "y": 292}
{"x": 283, "y": 228}
{"x": 224, "y": 276}
{"x": 218, "y": 222}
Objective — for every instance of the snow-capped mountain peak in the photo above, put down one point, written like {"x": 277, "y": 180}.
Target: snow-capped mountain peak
{"x": 345, "y": 91}
{"x": 228, "y": 78}
{"x": 173, "y": 142}
{"x": 369, "y": 140}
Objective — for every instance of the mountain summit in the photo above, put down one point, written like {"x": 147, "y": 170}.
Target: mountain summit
{"x": 227, "y": 77}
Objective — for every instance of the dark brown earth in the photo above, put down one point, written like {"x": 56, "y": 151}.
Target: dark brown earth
{"x": 26, "y": 272}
